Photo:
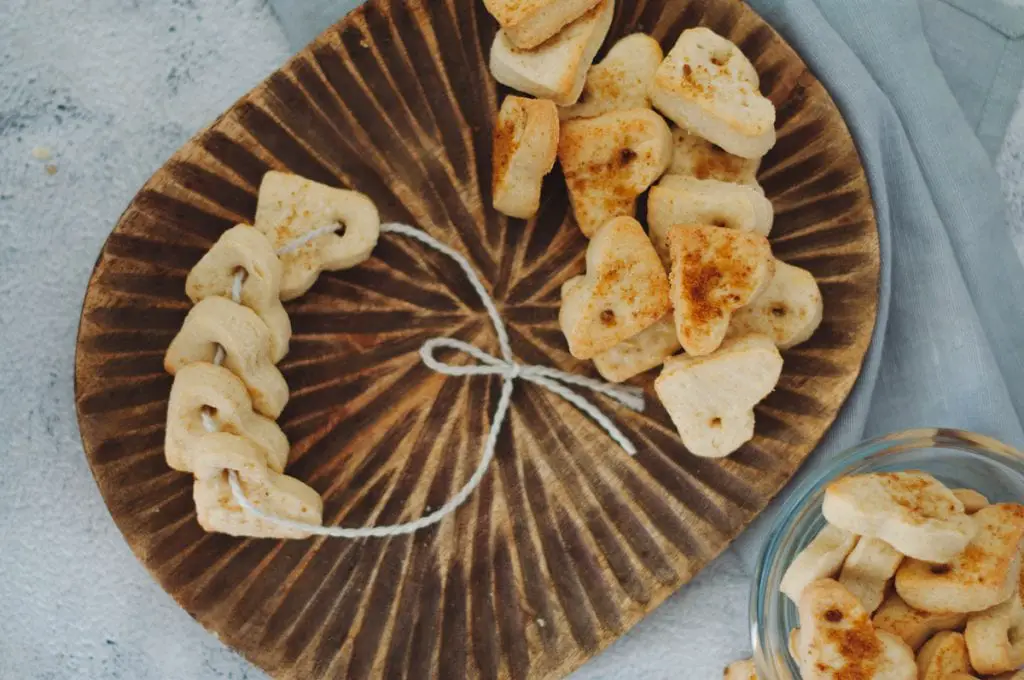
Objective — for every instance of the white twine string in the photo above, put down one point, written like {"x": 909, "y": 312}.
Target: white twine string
{"x": 507, "y": 367}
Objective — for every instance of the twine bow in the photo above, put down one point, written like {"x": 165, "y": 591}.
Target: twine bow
{"x": 507, "y": 367}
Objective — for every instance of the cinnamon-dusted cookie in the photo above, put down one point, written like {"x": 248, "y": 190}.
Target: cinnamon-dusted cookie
{"x": 525, "y": 148}
{"x": 985, "y": 573}
{"x": 608, "y": 161}
{"x": 624, "y": 290}
{"x": 529, "y": 23}
{"x": 621, "y": 82}
{"x": 709, "y": 87}
{"x": 910, "y": 510}
{"x": 556, "y": 69}
{"x": 714, "y": 273}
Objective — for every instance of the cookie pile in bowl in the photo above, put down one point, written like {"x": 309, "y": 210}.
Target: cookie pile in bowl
{"x": 698, "y": 293}
{"x": 884, "y": 570}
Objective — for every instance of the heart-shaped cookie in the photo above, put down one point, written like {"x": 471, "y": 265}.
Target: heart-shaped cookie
{"x": 622, "y": 81}
{"x": 788, "y": 311}
{"x": 642, "y": 352}
{"x": 694, "y": 156}
{"x": 709, "y": 87}
{"x": 972, "y": 500}
{"x": 246, "y": 248}
{"x": 711, "y": 398}
{"x": 290, "y": 206}
{"x": 610, "y": 160}
{"x": 740, "y": 670}
{"x": 687, "y": 200}
{"x": 868, "y": 569}
{"x": 822, "y": 558}
{"x": 273, "y": 493}
{"x": 982, "y": 574}
{"x": 714, "y": 273}
{"x": 793, "y": 644}
{"x": 222, "y": 394}
{"x": 246, "y": 342}
{"x": 914, "y": 626}
{"x": 525, "y": 148}
{"x": 838, "y": 640}
{"x": 994, "y": 637}
{"x": 529, "y": 24}
{"x": 556, "y": 69}
{"x": 942, "y": 656}
{"x": 624, "y": 290}
{"x": 910, "y": 510}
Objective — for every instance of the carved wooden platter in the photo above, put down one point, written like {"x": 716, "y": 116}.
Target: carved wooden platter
{"x": 568, "y": 542}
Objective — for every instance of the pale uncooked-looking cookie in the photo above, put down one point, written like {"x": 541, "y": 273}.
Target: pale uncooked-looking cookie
{"x": 274, "y": 493}
{"x": 914, "y": 626}
{"x": 290, "y": 206}
{"x": 942, "y": 656}
{"x": 972, "y": 500}
{"x": 645, "y": 350}
{"x": 203, "y": 386}
{"x": 246, "y": 343}
{"x": 822, "y": 558}
{"x": 711, "y": 398}
{"x": 868, "y": 569}
{"x": 679, "y": 200}
{"x": 788, "y": 311}
{"x": 994, "y": 637}
{"x": 247, "y": 249}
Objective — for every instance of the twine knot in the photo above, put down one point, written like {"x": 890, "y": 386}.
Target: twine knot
{"x": 549, "y": 378}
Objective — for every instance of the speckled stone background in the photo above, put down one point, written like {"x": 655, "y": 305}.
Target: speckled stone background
{"x": 94, "y": 96}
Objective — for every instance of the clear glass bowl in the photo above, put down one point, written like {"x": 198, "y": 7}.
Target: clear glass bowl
{"x": 957, "y": 458}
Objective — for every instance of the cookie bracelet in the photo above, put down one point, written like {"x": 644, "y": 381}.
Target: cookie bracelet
{"x": 227, "y": 390}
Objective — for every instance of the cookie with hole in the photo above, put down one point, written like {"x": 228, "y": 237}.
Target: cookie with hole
{"x": 708, "y": 86}
{"x": 624, "y": 290}
{"x": 711, "y": 398}
{"x": 342, "y": 228}
{"x": 984, "y": 574}
{"x": 244, "y": 253}
{"x": 248, "y": 350}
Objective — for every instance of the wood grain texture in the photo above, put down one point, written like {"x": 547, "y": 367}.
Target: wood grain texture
{"x": 567, "y": 543}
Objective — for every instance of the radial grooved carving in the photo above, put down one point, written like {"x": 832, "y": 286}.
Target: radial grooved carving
{"x": 567, "y": 542}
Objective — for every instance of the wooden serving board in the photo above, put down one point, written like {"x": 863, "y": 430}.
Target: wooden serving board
{"x": 568, "y": 542}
